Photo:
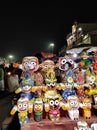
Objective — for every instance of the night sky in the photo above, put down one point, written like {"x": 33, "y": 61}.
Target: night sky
{"x": 25, "y": 30}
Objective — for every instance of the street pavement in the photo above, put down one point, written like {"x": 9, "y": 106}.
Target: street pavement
{"x": 5, "y": 108}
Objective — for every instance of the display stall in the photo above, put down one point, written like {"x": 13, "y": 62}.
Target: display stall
{"x": 63, "y": 124}
{"x": 56, "y": 92}
{"x": 71, "y": 102}
{"x": 47, "y": 104}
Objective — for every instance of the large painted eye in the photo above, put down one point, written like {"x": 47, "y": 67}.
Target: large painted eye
{"x": 26, "y": 63}
{"x": 56, "y": 102}
{"x": 51, "y": 102}
{"x": 82, "y": 128}
{"x": 52, "y": 66}
{"x": 85, "y": 104}
{"x": 91, "y": 82}
{"x": 72, "y": 103}
{"x": 24, "y": 105}
{"x": 19, "y": 106}
{"x": 39, "y": 106}
{"x": 63, "y": 61}
{"x": 33, "y": 63}
{"x": 36, "y": 106}
{"x": 45, "y": 66}
{"x": 70, "y": 61}
{"x": 51, "y": 84}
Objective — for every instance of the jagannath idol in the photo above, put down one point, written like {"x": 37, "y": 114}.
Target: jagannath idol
{"x": 25, "y": 87}
{"x": 53, "y": 103}
{"x": 28, "y": 63}
{"x": 23, "y": 107}
{"x": 38, "y": 109}
{"x": 82, "y": 125}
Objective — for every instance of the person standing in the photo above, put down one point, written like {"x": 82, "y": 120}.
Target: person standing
{"x": 2, "y": 86}
{"x": 13, "y": 81}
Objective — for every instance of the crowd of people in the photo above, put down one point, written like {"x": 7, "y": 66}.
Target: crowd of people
{"x": 9, "y": 78}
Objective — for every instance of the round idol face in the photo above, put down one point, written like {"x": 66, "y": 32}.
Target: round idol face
{"x": 30, "y": 63}
{"x": 38, "y": 106}
{"x": 54, "y": 103}
{"x": 22, "y": 105}
{"x": 65, "y": 63}
{"x": 47, "y": 64}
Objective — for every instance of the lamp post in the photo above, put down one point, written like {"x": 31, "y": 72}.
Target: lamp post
{"x": 52, "y": 46}
{"x": 10, "y": 58}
